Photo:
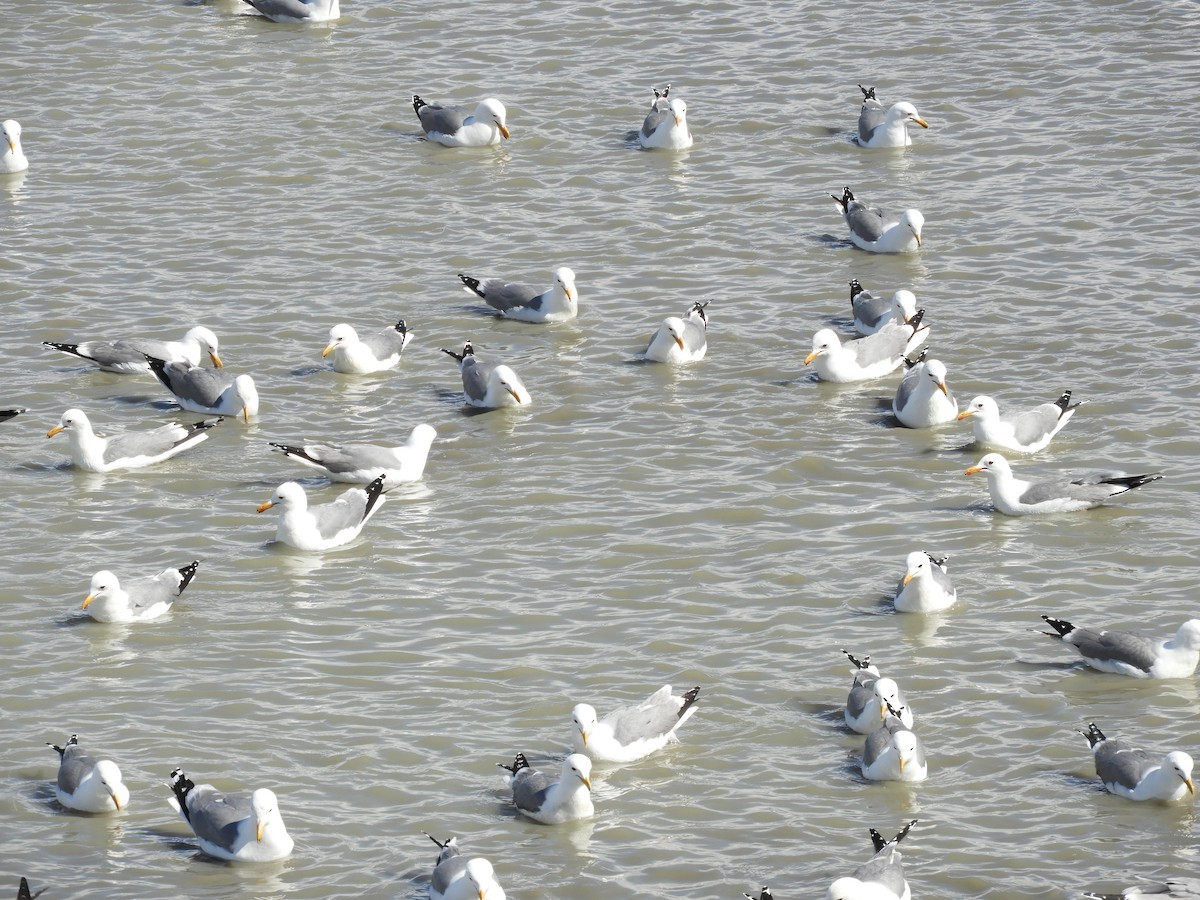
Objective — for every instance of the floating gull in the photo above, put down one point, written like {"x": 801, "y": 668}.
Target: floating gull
{"x": 23, "y": 892}
{"x": 871, "y": 313}
{"x": 452, "y": 126}
{"x": 764, "y": 894}
{"x": 527, "y": 303}
{"x": 457, "y": 878}
{"x": 353, "y": 355}
{"x": 926, "y": 586}
{"x": 923, "y": 400}
{"x": 879, "y": 878}
{"x": 553, "y": 802}
{"x": 1133, "y": 773}
{"x": 666, "y": 126}
{"x": 1133, "y": 653}
{"x": 6, "y": 414}
{"x": 873, "y": 356}
{"x": 893, "y": 752}
{"x": 1024, "y": 432}
{"x": 1174, "y": 889}
{"x": 86, "y": 783}
{"x": 870, "y": 228}
{"x": 488, "y": 385}
{"x": 869, "y": 698}
{"x": 289, "y": 11}
{"x": 635, "y": 731}
{"x": 127, "y": 356}
{"x": 363, "y": 463}
{"x": 130, "y": 449}
{"x": 1015, "y": 497}
{"x": 683, "y": 340}
{"x": 879, "y": 127}
{"x": 141, "y": 599}
{"x": 206, "y": 390}
{"x": 13, "y": 160}
{"x": 245, "y": 829}
{"x": 325, "y": 525}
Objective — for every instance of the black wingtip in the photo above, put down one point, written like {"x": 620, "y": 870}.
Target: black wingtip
{"x": 458, "y": 357}
{"x": 401, "y": 327}
{"x": 863, "y": 663}
{"x": 939, "y": 561}
{"x": 187, "y": 573}
{"x": 903, "y": 832}
{"x": 688, "y": 699}
{"x": 441, "y": 844}
{"x": 855, "y": 287}
{"x": 417, "y": 103}
{"x": 181, "y": 786}
{"x": 1094, "y": 735}
{"x": 877, "y": 840}
{"x": 374, "y": 492}
{"x": 867, "y": 92}
{"x": 472, "y": 284}
{"x": 519, "y": 763}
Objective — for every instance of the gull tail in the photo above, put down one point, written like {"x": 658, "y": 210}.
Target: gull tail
{"x": 519, "y": 763}
{"x": 467, "y": 350}
{"x": 855, "y": 287}
{"x": 864, "y": 663}
{"x": 764, "y": 895}
{"x": 1063, "y": 628}
{"x": 471, "y": 284}
{"x": 71, "y": 742}
{"x": 417, "y": 104}
{"x": 867, "y": 92}
{"x": 73, "y": 349}
{"x": 181, "y": 786}
{"x": 1094, "y": 735}
{"x": 1129, "y": 482}
{"x": 187, "y": 573}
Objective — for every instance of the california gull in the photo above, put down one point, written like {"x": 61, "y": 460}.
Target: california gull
{"x": 129, "y": 449}
{"x": 525, "y": 302}
{"x": 13, "y": 160}
{"x": 923, "y": 399}
{"x": 376, "y": 352}
{"x": 869, "y": 698}
{"x": 871, "y": 313}
{"x": 88, "y": 784}
{"x": 551, "y": 802}
{"x": 879, "y": 878}
{"x": 296, "y": 11}
{"x": 665, "y": 127}
{"x": 488, "y": 385}
{"x": 455, "y": 877}
{"x": 1131, "y": 652}
{"x": 127, "y": 356}
{"x": 455, "y": 126}
{"x": 324, "y": 525}
{"x": 632, "y": 732}
{"x": 893, "y": 752}
{"x": 207, "y": 390}
{"x": 873, "y": 356}
{"x": 926, "y": 585}
{"x": 873, "y": 230}
{"x": 363, "y": 463}
{"x": 880, "y": 126}
{"x": 245, "y": 829}
{"x": 1015, "y": 497}
{"x": 1025, "y": 432}
{"x": 681, "y": 340}
{"x": 139, "y": 599}
{"x": 1131, "y": 772}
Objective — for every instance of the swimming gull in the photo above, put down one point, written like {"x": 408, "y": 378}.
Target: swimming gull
{"x": 1025, "y": 432}
{"x": 324, "y": 525}
{"x": 453, "y": 126}
{"x": 871, "y": 313}
{"x": 207, "y": 390}
{"x": 13, "y": 160}
{"x": 130, "y": 449}
{"x": 632, "y": 732}
{"x": 488, "y": 385}
{"x": 140, "y": 599}
{"x": 893, "y": 752}
{"x": 926, "y": 585}
{"x": 873, "y": 356}
{"x": 457, "y": 878}
{"x": 527, "y": 303}
{"x": 923, "y": 400}
{"x": 88, "y": 784}
{"x": 872, "y": 230}
{"x": 681, "y": 340}
{"x": 665, "y": 127}
{"x": 1133, "y": 653}
{"x": 1171, "y": 889}
{"x": 879, "y": 878}
{"x": 764, "y": 894}
{"x": 885, "y": 127}
{"x": 363, "y": 463}
{"x": 1015, "y": 497}
{"x": 290, "y": 11}
{"x": 245, "y": 829}
{"x": 6, "y": 414}
{"x": 23, "y": 892}
{"x": 869, "y": 697}
{"x": 127, "y": 356}
{"x": 376, "y": 352}
{"x": 553, "y": 802}
{"x": 1131, "y": 772}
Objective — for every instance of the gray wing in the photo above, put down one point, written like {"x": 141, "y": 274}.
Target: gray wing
{"x": 887, "y": 343}
{"x": 442, "y": 119}
{"x": 858, "y": 698}
{"x": 351, "y": 457}
{"x": 1089, "y": 488}
{"x": 865, "y": 222}
{"x": 388, "y": 342}
{"x": 940, "y": 578}
{"x": 651, "y": 719}
{"x": 293, "y": 9}
{"x": 879, "y": 740}
{"x": 695, "y": 335}
{"x": 203, "y": 387}
{"x": 75, "y": 766}
{"x": 1129, "y": 647}
{"x": 132, "y": 351}
{"x": 870, "y": 117}
{"x": 908, "y": 384}
{"x": 146, "y": 592}
{"x": 1032, "y": 426}
{"x": 504, "y": 295}
{"x": 656, "y": 118}
{"x": 530, "y": 789}
{"x": 475, "y": 374}
{"x": 869, "y": 309}
{"x": 215, "y": 817}
{"x": 346, "y": 511}
{"x": 884, "y": 868}
{"x": 1118, "y": 763}
{"x": 144, "y": 443}
{"x": 446, "y": 871}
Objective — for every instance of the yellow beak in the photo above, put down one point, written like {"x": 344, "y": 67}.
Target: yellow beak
{"x": 965, "y": 413}
{"x": 265, "y": 506}
{"x": 585, "y": 737}
{"x": 587, "y": 782}
{"x": 811, "y": 356}
{"x": 261, "y": 826}
{"x": 504, "y": 131}
{"x": 902, "y": 764}
{"x": 679, "y": 341}
{"x": 328, "y": 350}
{"x": 974, "y": 470}
{"x": 216, "y": 360}
{"x": 1191, "y": 787}
{"x": 909, "y": 576}
{"x": 922, "y": 123}
{"x": 55, "y": 430}
{"x": 87, "y": 601}
{"x": 918, "y": 237}
{"x": 246, "y": 414}
{"x": 515, "y": 395}
{"x": 116, "y": 802}
{"x": 942, "y": 387}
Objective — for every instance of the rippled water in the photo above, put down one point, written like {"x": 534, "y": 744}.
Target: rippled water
{"x": 731, "y": 525}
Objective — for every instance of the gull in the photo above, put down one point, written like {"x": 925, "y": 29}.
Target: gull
{"x": 872, "y": 313}
{"x": 1131, "y": 772}
{"x": 926, "y": 586}
{"x": 923, "y": 400}
{"x": 452, "y": 126}
{"x": 488, "y": 385}
{"x": 527, "y": 303}
{"x": 1015, "y": 497}
{"x": 289, "y": 11}
{"x": 665, "y": 127}
{"x": 130, "y": 449}
{"x": 870, "y": 696}
{"x": 376, "y": 352}
{"x": 764, "y": 894}
{"x": 245, "y": 829}
{"x": 457, "y": 878}
{"x": 1024, "y": 432}
{"x": 363, "y": 463}
{"x": 1133, "y": 653}
{"x": 13, "y": 160}
{"x": 1172, "y": 889}
{"x": 871, "y": 230}
{"x": 879, "y": 127}
{"x": 141, "y": 599}
{"x": 88, "y": 784}
{"x": 681, "y": 340}
{"x": 634, "y": 731}
{"x": 892, "y": 752}
{"x": 879, "y": 878}
{"x": 553, "y": 802}
{"x": 325, "y": 525}
{"x": 873, "y": 356}
{"x": 206, "y": 390}
{"x": 127, "y": 356}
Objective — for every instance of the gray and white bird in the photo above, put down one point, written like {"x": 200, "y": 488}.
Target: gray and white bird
{"x": 874, "y": 231}
{"x": 127, "y": 356}
{"x": 376, "y": 352}
{"x": 130, "y": 449}
{"x": 1133, "y": 653}
{"x": 1016, "y": 497}
{"x": 925, "y": 586}
{"x": 872, "y": 313}
{"x": 243, "y": 829}
{"x": 207, "y": 390}
{"x": 323, "y": 526}
{"x": 1023, "y": 432}
{"x": 923, "y": 398}
{"x": 1131, "y": 772}
{"x": 1172, "y": 889}
{"x": 665, "y": 127}
{"x": 525, "y": 302}
{"x": 139, "y": 599}
{"x": 12, "y": 158}
{"x": 88, "y": 784}
{"x": 681, "y": 340}
{"x": 488, "y": 385}
{"x": 363, "y": 463}
{"x": 885, "y": 127}
{"x": 298, "y": 11}
{"x": 873, "y": 356}
{"x": 633, "y": 732}
{"x": 455, "y": 877}
{"x": 456, "y": 126}
{"x": 879, "y": 878}
{"x": 893, "y": 752}
{"x": 551, "y": 802}
{"x": 869, "y": 698}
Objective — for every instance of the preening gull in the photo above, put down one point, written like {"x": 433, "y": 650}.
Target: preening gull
{"x": 679, "y": 341}
{"x": 1131, "y": 772}
{"x": 130, "y": 449}
{"x": 885, "y": 127}
{"x": 289, "y": 11}
{"x": 245, "y": 829}
{"x": 488, "y": 385}
{"x": 527, "y": 303}
{"x": 893, "y": 752}
{"x": 926, "y": 585}
{"x": 139, "y": 599}
{"x": 869, "y": 698}
{"x": 127, "y": 356}
{"x": 1015, "y": 497}
{"x": 923, "y": 400}
{"x": 455, "y": 126}
{"x": 1133, "y": 653}
{"x": 457, "y": 878}
{"x": 1172, "y": 889}
{"x": 871, "y": 313}
{"x": 553, "y": 802}
{"x": 634, "y": 731}
{"x": 13, "y": 159}
{"x": 879, "y": 878}
{"x": 376, "y": 352}
{"x": 207, "y": 390}
{"x": 873, "y": 356}
{"x": 363, "y": 463}
{"x": 665, "y": 127}
{"x": 872, "y": 230}
{"x": 1024, "y": 432}
{"x": 324, "y": 525}
{"x": 86, "y": 783}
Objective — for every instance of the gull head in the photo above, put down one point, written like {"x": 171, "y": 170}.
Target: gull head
{"x": 914, "y": 222}
{"x": 983, "y": 406}
{"x": 102, "y": 582}
{"x": 207, "y": 341}
{"x": 824, "y": 341}
{"x": 678, "y": 110}
{"x": 905, "y": 743}
{"x": 483, "y": 878}
{"x": 264, "y": 808}
{"x": 583, "y": 716}
{"x": 339, "y": 336}
{"x": 1182, "y": 764}
{"x": 936, "y": 370}
{"x": 248, "y": 394}
{"x": 290, "y": 495}
{"x": 11, "y": 130}
{"x": 110, "y": 777}
{"x": 565, "y": 279}
{"x": 1188, "y": 635}
{"x": 906, "y": 111}
{"x": 71, "y": 419}
{"x": 992, "y": 464}
{"x": 492, "y": 110}
{"x": 578, "y": 766}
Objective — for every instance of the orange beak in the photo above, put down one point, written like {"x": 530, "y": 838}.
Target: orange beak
{"x": 504, "y": 131}
{"x": 265, "y": 506}
{"x": 55, "y": 430}
{"x": 974, "y": 470}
